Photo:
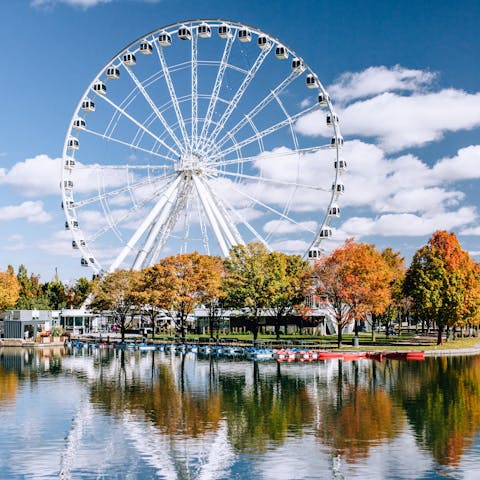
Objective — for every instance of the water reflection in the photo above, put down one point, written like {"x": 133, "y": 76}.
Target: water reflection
{"x": 160, "y": 415}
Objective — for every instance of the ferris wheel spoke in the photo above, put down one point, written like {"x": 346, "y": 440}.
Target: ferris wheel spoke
{"x": 154, "y": 108}
{"x": 203, "y": 225}
{"x": 263, "y": 133}
{"x": 194, "y": 99}
{"x": 247, "y": 224}
{"x": 217, "y": 86}
{"x": 267, "y": 180}
{"x": 147, "y": 223}
{"x": 127, "y": 215}
{"x": 86, "y": 166}
{"x": 118, "y": 191}
{"x": 171, "y": 90}
{"x": 268, "y": 207}
{"x": 266, "y": 156}
{"x": 239, "y": 93}
{"x": 259, "y": 107}
{"x": 139, "y": 125}
{"x": 127, "y": 144}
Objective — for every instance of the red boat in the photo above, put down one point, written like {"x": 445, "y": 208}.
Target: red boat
{"x": 378, "y": 356}
{"x": 406, "y": 355}
{"x": 354, "y": 356}
{"x": 322, "y": 355}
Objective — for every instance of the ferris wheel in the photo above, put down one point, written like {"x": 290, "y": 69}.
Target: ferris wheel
{"x": 201, "y": 135}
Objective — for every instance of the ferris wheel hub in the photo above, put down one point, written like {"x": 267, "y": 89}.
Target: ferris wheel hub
{"x": 190, "y": 162}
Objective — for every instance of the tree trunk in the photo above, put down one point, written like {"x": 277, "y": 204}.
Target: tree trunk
{"x": 277, "y": 328}
{"x": 339, "y": 334}
{"x": 439, "y": 335}
{"x": 122, "y": 330}
{"x": 255, "y": 328}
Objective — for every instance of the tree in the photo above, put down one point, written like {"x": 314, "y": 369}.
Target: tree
{"x": 398, "y": 303}
{"x": 246, "y": 281}
{"x": 443, "y": 282}
{"x": 9, "y": 289}
{"x": 77, "y": 294}
{"x": 353, "y": 281}
{"x": 180, "y": 283}
{"x": 31, "y": 292}
{"x": 288, "y": 280}
{"x": 115, "y": 294}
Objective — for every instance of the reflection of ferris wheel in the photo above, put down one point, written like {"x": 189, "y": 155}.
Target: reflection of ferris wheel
{"x": 198, "y": 136}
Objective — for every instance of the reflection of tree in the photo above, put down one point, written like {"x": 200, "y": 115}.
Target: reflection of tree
{"x": 360, "y": 415}
{"x": 267, "y": 411}
{"x": 443, "y": 404}
{"x": 161, "y": 401}
{"x": 8, "y": 386}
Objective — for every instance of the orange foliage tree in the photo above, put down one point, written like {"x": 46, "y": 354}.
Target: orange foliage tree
{"x": 443, "y": 282}
{"x": 9, "y": 289}
{"x": 353, "y": 281}
{"x": 180, "y": 283}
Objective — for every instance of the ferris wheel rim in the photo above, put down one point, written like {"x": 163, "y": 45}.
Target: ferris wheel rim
{"x": 325, "y": 222}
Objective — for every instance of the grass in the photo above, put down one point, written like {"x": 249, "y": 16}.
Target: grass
{"x": 382, "y": 342}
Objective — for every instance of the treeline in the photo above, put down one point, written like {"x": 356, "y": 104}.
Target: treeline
{"x": 25, "y": 291}
{"x": 356, "y": 283}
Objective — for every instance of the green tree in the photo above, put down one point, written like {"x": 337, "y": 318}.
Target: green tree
{"x": 288, "y": 281}
{"x": 31, "y": 291}
{"x": 115, "y": 294}
{"x": 246, "y": 281}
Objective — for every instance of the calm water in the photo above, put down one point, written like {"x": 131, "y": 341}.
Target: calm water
{"x": 108, "y": 414}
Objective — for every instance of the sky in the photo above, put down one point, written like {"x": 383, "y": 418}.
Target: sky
{"x": 403, "y": 77}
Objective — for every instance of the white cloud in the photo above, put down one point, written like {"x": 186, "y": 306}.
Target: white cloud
{"x": 32, "y": 212}
{"x": 408, "y": 225}
{"x": 398, "y": 107}
{"x": 40, "y": 176}
{"x": 282, "y": 227}
{"x": 73, "y": 3}
{"x": 400, "y": 122}
{"x": 375, "y": 80}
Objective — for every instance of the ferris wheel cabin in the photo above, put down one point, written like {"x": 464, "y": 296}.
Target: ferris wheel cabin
{"x": 184, "y": 33}
{"x": 88, "y": 105}
{"x": 297, "y": 65}
{"x": 146, "y": 48}
{"x": 224, "y": 31}
{"x": 165, "y": 39}
{"x": 113, "y": 73}
{"x": 244, "y": 35}
{"x": 204, "y": 31}
{"x": 129, "y": 59}
{"x": 281, "y": 52}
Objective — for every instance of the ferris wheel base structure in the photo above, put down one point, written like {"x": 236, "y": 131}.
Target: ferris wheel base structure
{"x": 201, "y": 135}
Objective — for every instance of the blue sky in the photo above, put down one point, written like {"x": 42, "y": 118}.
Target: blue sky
{"x": 403, "y": 77}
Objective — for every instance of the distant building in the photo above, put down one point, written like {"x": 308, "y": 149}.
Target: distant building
{"x": 26, "y": 324}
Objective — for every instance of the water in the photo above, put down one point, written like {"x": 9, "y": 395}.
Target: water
{"x": 104, "y": 414}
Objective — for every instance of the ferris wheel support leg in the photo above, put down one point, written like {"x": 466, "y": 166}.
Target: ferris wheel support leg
{"x": 162, "y": 227}
{"x": 158, "y": 225}
{"x": 223, "y": 215}
{"x": 145, "y": 224}
{"x": 203, "y": 195}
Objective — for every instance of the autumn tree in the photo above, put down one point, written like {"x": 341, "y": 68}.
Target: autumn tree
{"x": 246, "y": 281}
{"x": 288, "y": 279}
{"x": 398, "y": 303}
{"x": 353, "y": 281}
{"x": 77, "y": 293}
{"x": 180, "y": 283}
{"x": 115, "y": 294}
{"x": 443, "y": 282}
{"x": 9, "y": 289}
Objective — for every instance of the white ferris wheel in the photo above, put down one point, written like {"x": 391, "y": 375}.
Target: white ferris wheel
{"x": 196, "y": 137}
